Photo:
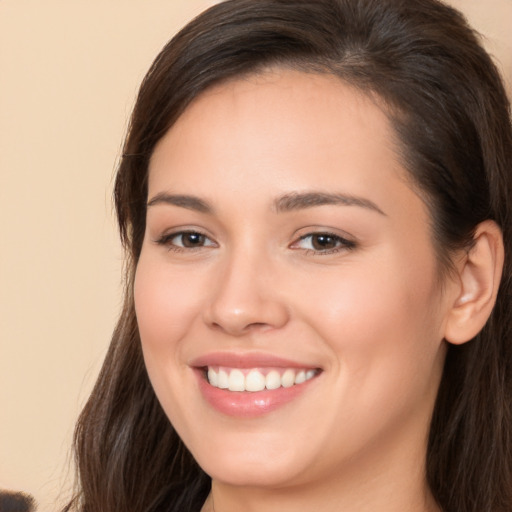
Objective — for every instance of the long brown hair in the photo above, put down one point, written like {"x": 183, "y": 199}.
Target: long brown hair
{"x": 450, "y": 112}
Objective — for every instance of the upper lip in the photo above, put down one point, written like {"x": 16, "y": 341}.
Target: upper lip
{"x": 247, "y": 360}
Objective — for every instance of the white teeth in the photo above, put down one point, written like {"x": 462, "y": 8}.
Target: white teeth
{"x": 300, "y": 377}
{"x": 223, "y": 381}
{"x": 213, "y": 377}
{"x": 273, "y": 380}
{"x": 236, "y": 381}
{"x": 288, "y": 379}
{"x": 253, "y": 380}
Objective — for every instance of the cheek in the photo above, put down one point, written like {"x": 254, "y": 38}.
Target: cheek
{"x": 166, "y": 303}
{"x": 382, "y": 324}
{"x": 371, "y": 299}
{"x": 166, "y": 306}
{"x": 386, "y": 352}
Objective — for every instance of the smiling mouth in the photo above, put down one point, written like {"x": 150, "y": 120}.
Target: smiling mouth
{"x": 257, "y": 379}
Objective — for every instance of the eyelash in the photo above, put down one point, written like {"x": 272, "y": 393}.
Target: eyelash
{"x": 167, "y": 241}
{"x": 342, "y": 244}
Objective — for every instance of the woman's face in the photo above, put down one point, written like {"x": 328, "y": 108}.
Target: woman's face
{"x": 287, "y": 257}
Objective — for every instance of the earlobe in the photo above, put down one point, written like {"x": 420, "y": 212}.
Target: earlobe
{"x": 479, "y": 274}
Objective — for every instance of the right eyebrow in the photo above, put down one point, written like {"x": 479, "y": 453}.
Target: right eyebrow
{"x": 183, "y": 201}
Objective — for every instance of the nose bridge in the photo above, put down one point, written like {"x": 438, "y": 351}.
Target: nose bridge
{"x": 244, "y": 296}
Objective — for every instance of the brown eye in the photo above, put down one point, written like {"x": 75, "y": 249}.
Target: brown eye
{"x": 324, "y": 242}
{"x": 186, "y": 240}
{"x": 192, "y": 239}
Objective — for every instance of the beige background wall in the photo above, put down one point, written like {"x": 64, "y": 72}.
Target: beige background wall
{"x": 69, "y": 71}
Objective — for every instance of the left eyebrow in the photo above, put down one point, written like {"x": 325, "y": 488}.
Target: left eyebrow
{"x": 300, "y": 201}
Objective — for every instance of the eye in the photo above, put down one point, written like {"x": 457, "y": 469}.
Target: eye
{"x": 325, "y": 243}
{"x": 186, "y": 240}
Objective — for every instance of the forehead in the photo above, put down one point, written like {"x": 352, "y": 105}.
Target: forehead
{"x": 279, "y": 132}
{"x": 273, "y": 120}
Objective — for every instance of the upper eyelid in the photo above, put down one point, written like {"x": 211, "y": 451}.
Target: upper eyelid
{"x": 321, "y": 230}
{"x": 166, "y": 237}
{"x": 326, "y": 233}
{"x": 169, "y": 233}
{"x": 343, "y": 239}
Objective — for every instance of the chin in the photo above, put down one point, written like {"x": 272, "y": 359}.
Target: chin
{"x": 253, "y": 461}
{"x": 244, "y": 473}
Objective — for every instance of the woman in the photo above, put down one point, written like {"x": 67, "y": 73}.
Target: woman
{"x": 315, "y": 201}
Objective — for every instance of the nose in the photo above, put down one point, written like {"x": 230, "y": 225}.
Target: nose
{"x": 246, "y": 297}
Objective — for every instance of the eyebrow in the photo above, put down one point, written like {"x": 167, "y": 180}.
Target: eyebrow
{"x": 287, "y": 203}
{"x": 184, "y": 201}
{"x": 300, "y": 201}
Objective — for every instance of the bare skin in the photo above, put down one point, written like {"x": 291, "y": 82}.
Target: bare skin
{"x": 345, "y": 283}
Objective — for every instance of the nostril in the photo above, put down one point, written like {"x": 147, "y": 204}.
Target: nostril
{"x": 258, "y": 325}
{"x": 242, "y": 328}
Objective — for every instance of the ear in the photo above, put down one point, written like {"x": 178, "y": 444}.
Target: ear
{"x": 478, "y": 274}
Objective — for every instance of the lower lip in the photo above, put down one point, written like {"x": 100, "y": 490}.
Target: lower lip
{"x": 248, "y": 404}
